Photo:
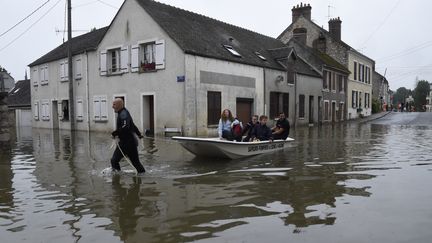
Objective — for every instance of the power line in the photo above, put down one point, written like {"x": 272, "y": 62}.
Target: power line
{"x": 28, "y": 16}
{"x": 107, "y": 4}
{"x": 408, "y": 51}
{"x": 382, "y": 23}
{"x": 25, "y": 31}
{"x": 84, "y": 4}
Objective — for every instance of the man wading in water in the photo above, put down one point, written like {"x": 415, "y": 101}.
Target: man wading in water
{"x": 128, "y": 144}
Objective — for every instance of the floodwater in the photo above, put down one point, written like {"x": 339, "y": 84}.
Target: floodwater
{"x": 355, "y": 182}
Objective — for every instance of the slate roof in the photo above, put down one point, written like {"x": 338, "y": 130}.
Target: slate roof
{"x": 19, "y": 96}
{"x": 378, "y": 78}
{"x": 327, "y": 35}
{"x": 316, "y": 58}
{"x": 298, "y": 66}
{"x": 203, "y": 36}
{"x": 80, "y": 44}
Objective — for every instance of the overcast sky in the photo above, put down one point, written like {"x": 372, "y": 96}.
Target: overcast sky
{"x": 395, "y": 33}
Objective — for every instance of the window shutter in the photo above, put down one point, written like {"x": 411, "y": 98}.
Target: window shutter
{"x": 135, "y": 58}
{"x": 47, "y": 114}
{"x": 41, "y": 75}
{"x": 124, "y": 59}
{"x": 60, "y": 110}
{"x": 78, "y": 69}
{"x": 66, "y": 70}
{"x": 96, "y": 108}
{"x": 62, "y": 71}
{"x": 36, "y": 110}
{"x": 160, "y": 54}
{"x": 80, "y": 110}
{"x": 35, "y": 77}
{"x": 103, "y": 63}
{"x": 103, "y": 109}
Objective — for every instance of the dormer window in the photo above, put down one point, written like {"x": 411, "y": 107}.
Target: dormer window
{"x": 232, "y": 51}
{"x": 260, "y": 56}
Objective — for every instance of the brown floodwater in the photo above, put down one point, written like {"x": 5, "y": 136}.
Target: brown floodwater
{"x": 343, "y": 183}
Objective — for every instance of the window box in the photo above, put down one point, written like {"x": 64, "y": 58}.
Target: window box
{"x": 146, "y": 67}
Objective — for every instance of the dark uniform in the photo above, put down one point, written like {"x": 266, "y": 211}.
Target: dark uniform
{"x": 261, "y": 132}
{"x": 286, "y": 127}
{"x": 128, "y": 142}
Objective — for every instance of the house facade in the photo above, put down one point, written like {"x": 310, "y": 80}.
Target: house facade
{"x": 19, "y": 104}
{"x": 429, "y": 101}
{"x": 381, "y": 90}
{"x": 173, "y": 68}
{"x": 7, "y": 82}
{"x": 359, "y": 83}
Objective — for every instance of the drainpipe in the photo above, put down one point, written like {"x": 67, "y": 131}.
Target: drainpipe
{"x": 87, "y": 92}
{"x": 295, "y": 100}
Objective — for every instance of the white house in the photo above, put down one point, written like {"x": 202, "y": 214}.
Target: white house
{"x": 173, "y": 68}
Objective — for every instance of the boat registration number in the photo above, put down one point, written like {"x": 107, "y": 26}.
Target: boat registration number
{"x": 255, "y": 148}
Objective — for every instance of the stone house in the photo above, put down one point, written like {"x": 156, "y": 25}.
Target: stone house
{"x": 7, "y": 82}
{"x": 359, "y": 84}
{"x": 380, "y": 90}
{"x": 174, "y": 69}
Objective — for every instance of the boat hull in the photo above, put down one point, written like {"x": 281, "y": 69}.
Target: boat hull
{"x": 215, "y": 147}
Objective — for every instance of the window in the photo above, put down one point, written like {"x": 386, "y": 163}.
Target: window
{"x": 330, "y": 80}
{"x": 354, "y": 99}
{"x": 36, "y": 110}
{"x": 64, "y": 110}
{"x": 333, "y": 82}
{"x": 35, "y": 77}
{"x": 45, "y": 110}
{"x": 43, "y": 75}
{"x": 148, "y": 56}
{"x": 359, "y": 99}
{"x": 291, "y": 77}
{"x": 355, "y": 70}
{"x": 301, "y": 106}
{"x": 326, "y": 110}
{"x": 213, "y": 107}
{"x": 64, "y": 70}
{"x": 260, "y": 56}
{"x": 100, "y": 110}
{"x": 367, "y": 100}
{"x": 325, "y": 79}
{"x": 114, "y": 61}
{"x": 279, "y": 102}
{"x": 341, "y": 81}
{"x": 232, "y": 50}
{"x": 79, "y": 109}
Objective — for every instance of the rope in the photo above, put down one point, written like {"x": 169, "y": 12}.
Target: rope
{"x": 124, "y": 156}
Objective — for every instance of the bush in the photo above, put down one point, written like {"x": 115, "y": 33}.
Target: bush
{"x": 376, "y": 106}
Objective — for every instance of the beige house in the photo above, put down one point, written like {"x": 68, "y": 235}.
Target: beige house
{"x": 359, "y": 85}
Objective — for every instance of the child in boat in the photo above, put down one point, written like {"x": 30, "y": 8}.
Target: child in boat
{"x": 261, "y": 131}
{"x": 226, "y": 124}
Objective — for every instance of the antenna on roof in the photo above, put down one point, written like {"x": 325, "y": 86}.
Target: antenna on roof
{"x": 329, "y": 9}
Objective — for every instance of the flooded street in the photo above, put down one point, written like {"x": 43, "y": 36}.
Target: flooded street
{"x": 354, "y": 182}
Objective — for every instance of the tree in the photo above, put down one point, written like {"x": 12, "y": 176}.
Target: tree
{"x": 420, "y": 93}
{"x": 401, "y": 94}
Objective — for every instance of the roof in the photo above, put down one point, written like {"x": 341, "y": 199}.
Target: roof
{"x": 327, "y": 34}
{"x": 378, "y": 77}
{"x": 298, "y": 65}
{"x": 19, "y": 96}
{"x": 80, "y": 44}
{"x": 203, "y": 36}
{"x": 316, "y": 58}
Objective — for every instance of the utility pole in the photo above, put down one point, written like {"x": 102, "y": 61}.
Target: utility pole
{"x": 70, "y": 66}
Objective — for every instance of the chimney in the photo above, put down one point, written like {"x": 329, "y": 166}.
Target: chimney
{"x": 335, "y": 27}
{"x": 300, "y": 10}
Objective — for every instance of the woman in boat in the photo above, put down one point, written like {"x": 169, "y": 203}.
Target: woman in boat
{"x": 226, "y": 123}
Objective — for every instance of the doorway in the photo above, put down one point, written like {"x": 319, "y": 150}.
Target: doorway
{"x": 311, "y": 109}
{"x": 244, "y": 109}
{"x": 55, "y": 114}
{"x": 148, "y": 115}
{"x": 333, "y": 107}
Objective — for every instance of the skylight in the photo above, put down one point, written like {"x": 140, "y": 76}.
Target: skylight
{"x": 16, "y": 90}
{"x": 232, "y": 51}
{"x": 260, "y": 56}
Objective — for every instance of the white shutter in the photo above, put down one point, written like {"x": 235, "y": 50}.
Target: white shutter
{"x": 160, "y": 54}
{"x": 47, "y": 113}
{"x": 78, "y": 69}
{"x": 103, "y": 109}
{"x": 96, "y": 108}
{"x": 35, "y": 77}
{"x": 103, "y": 63}
{"x": 62, "y": 71}
{"x": 135, "y": 58}
{"x": 124, "y": 59}
{"x": 41, "y": 75}
{"x": 80, "y": 110}
{"x": 59, "y": 110}
{"x": 36, "y": 110}
{"x": 66, "y": 70}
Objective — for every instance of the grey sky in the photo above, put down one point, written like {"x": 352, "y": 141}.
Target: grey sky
{"x": 395, "y": 33}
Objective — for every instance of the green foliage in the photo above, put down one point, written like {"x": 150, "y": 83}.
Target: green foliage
{"x": 420, "y": 93}
{"x": 376, "y": 106}
{"x": 401, "y": 94}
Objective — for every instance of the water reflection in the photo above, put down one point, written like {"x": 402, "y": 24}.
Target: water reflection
{"x": 51, "y": 184}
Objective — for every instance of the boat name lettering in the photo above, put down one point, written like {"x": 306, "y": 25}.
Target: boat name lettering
{"x": 265, "y": 147}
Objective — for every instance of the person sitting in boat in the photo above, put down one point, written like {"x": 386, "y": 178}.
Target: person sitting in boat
{"x": 226, "y": 124}
{"x": 261, "y": 132}
{"x": 282, "y": 128}
{"x": 247, "y": 130}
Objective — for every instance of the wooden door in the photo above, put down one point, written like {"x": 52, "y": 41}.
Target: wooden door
{"x": 244, "y": 110}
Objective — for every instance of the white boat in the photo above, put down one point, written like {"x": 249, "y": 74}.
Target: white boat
{"x": 216, "y": 147}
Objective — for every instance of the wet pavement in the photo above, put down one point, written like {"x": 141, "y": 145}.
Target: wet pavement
{"x": 354, "y": 182}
